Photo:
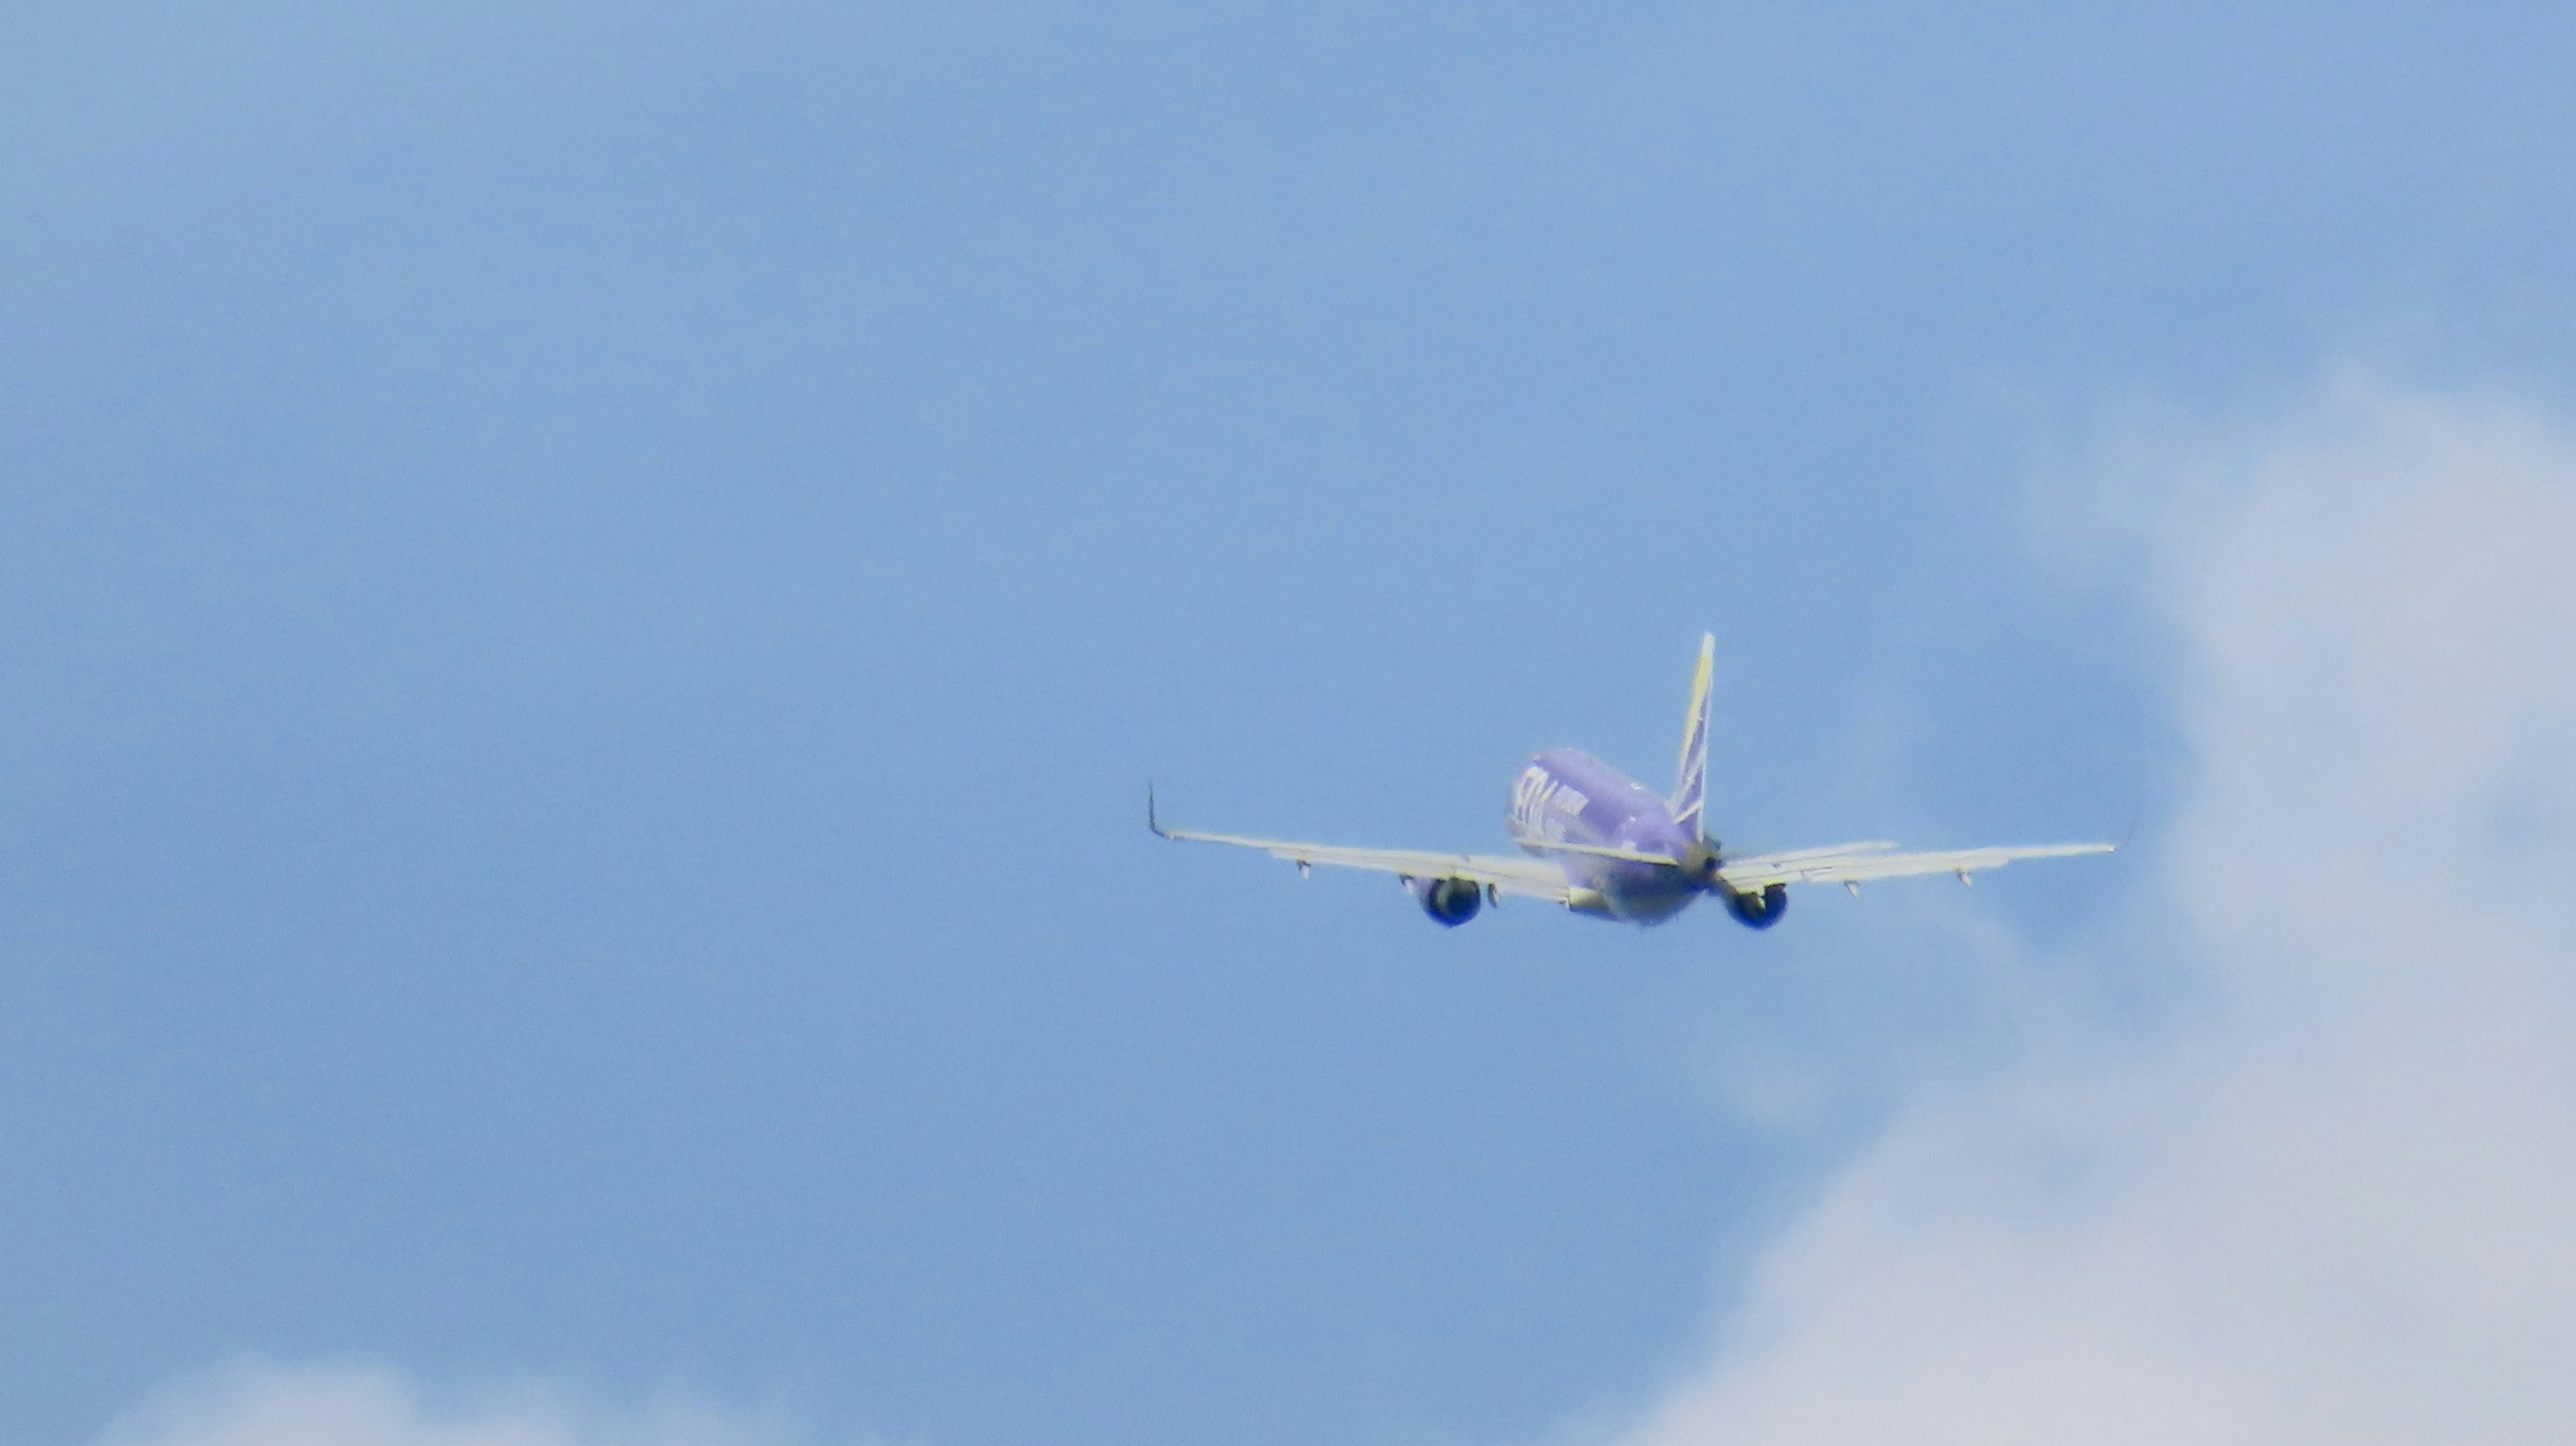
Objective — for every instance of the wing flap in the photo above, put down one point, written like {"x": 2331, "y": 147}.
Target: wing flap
{"x": 1861, "y": 863}
{"x": 1537, "y": 844}
{"x": 1525, "y": 877}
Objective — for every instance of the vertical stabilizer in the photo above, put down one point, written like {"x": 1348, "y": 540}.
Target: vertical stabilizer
{"x": 1690, "y": 794}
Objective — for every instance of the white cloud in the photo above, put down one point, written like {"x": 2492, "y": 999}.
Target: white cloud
{"x": 2340, "y": 1204}
{"x": 260, "y": 1405}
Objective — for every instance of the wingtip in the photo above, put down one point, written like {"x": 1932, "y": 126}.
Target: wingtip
{"x": 1153, "y": 822}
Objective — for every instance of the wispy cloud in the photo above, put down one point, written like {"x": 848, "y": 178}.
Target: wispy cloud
{"x": 2335, "y": 1206}
{"x": 352, "y": 1405}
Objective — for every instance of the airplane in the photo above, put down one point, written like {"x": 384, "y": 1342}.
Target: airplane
{"x": 1602, "y": 845}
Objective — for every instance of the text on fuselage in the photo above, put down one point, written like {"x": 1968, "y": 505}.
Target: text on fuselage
{"x": 1541, "y": 803}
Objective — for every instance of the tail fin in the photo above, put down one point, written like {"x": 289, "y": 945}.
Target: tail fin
{"x": 1690, "y": 795}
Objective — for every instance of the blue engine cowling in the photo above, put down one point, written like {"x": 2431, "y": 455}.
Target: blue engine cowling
{"x": 1449, "y": 902}
{"x": 1759, "y": 911}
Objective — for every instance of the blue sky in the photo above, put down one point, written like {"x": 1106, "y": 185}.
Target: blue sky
{"x": 589, "y": 599}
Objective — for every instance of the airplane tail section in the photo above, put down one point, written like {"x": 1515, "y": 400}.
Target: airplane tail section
{"x": 1690, "y": 794}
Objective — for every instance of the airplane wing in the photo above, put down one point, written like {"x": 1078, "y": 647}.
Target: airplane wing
{"x": 1511, "y": 874}
{"x": 1859, "y": 863}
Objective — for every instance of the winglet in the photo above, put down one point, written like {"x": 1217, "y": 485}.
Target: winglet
{"x": 1151, "y": 821}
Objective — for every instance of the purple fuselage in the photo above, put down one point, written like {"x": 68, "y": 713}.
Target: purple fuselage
{"x": 1568, "y": 795}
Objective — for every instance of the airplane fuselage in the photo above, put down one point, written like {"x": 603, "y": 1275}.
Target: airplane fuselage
{"x": 1566, "y": 795}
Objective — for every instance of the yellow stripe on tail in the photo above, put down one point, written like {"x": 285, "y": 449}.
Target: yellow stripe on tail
{"x": 1690, "y": 793}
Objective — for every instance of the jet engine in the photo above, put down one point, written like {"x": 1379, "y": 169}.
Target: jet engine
{"x": 1759, "y": 911}
{"x": 1449, "y": 902}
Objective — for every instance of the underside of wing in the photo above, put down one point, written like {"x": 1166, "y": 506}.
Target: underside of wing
{"x": 1863, "y": 862}
{"x": 1505, "y": 873}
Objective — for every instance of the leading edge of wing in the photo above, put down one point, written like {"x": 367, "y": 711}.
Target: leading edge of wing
{"x": 1532, "y": 878}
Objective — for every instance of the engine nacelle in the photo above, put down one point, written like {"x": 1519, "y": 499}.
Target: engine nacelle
{"x": 1759, "y": 911}
{"x": 1449, "y": 902}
